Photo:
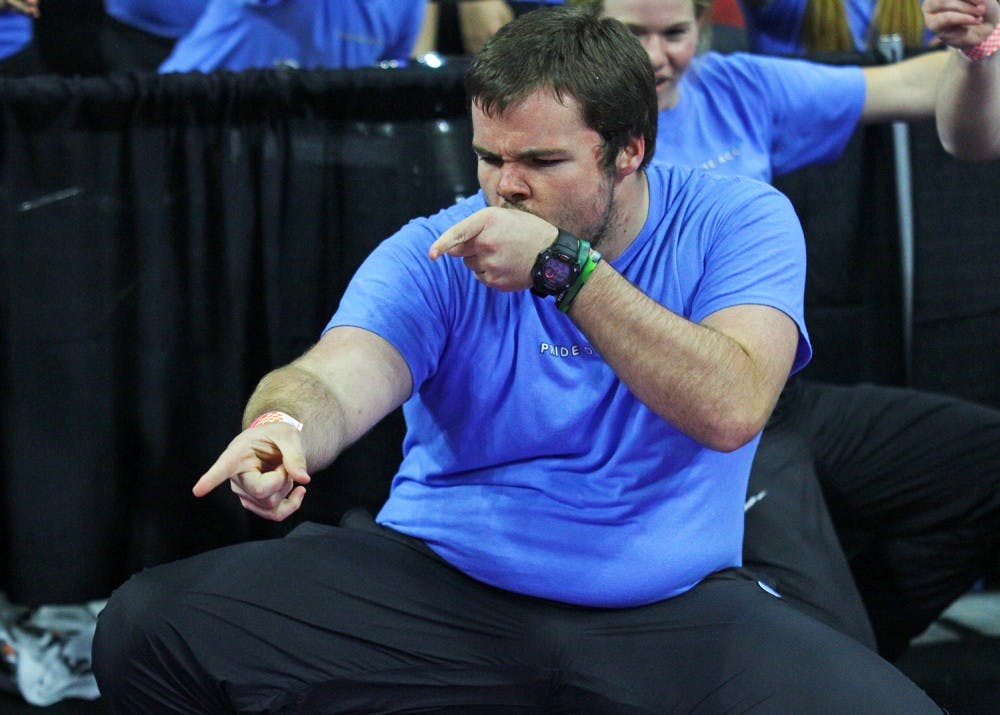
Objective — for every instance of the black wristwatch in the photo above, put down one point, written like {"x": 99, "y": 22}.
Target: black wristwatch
{"x": 557, "y": 267}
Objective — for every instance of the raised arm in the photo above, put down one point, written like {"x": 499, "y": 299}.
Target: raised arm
{"x": 903, "y": 91}
{"x": 478, "y": 21}
{"x": 337, "y": 391}
{"x": 967, "y": 111}
{"x": 27, "y": 7}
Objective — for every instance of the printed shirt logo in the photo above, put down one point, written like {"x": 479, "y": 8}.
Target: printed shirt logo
{"x": 564, "y": 351}
{"x": 723, "y": 158}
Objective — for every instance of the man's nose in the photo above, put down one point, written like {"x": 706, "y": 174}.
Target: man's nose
{"x": 512, "y": 187}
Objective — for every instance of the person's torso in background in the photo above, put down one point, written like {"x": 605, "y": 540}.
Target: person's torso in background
{"x": 757, "y": 116}
{"x": 15, "y": 32}
{"x": 244, "y": 34}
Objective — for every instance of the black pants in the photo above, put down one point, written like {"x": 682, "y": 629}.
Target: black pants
{"x": 361, "y": 619}
{"x": 912, "y": 484}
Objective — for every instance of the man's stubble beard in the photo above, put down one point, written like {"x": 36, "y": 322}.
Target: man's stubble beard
{"x": 594, "y": 234}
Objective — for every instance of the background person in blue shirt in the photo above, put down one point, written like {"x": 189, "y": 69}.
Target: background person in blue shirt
{"x": 968, "y": 102}
{"x": 245, "y": 34}
{"x": 920, "y": 471}
{"x": 18, "y": 54}
{"x": 585, "y": 352}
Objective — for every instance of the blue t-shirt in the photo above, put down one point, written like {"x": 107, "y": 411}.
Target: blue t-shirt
{"x": 244, "y": 34}
{"x": 527, "y": 463}
{"x": 16, "y": 32}
{"x": 165, "y": 18}
{"x": 775, "y": 26}
{"x": 758, "y": 116}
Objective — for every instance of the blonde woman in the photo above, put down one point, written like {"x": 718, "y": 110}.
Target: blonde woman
{"x": 799, "y": 27}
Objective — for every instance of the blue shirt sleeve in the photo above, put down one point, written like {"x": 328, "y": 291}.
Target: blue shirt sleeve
{"x": 813, "y": 108}
{"x": 406, "y": 298}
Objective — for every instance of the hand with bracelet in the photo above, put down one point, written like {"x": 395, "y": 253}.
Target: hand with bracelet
{"x": 265, "y": 466}
{"x": 964, "y": 24}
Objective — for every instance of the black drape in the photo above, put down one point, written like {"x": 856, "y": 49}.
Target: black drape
{"x": 165, "y": 240}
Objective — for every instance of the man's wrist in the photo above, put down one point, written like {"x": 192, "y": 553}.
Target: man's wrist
{"x": 589, "y": 258}
{"x": 984, "y": 49}
{"x": 275, "y": 416}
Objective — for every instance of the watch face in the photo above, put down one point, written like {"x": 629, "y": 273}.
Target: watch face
{"x": 558, "y": 272}
{"x": 557, "y": 267}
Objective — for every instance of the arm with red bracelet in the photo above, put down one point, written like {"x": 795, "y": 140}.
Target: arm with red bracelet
{"x": 301, "y": 416}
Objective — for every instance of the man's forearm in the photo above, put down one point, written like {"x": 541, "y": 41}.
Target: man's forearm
{"x": 698, "y": 379}
{"x": 297, "y": 392}
{"x": 338, "y": 390}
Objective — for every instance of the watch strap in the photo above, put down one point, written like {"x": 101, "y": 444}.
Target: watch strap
{"x": 590, "y": 260}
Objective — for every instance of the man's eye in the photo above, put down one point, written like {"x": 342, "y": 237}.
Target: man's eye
{"x": 537, "y": 161}
{"x": 491, "y": 160}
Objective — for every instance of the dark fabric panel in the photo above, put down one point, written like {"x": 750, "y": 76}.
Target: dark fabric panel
{"x": 847, "y": 210}
{"x": 957, "y": 271}
{"x": 66, "y": 31}
{"x": 125, "y": 99}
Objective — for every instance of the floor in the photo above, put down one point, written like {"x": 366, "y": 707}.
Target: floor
{"x": 957, "y": 661}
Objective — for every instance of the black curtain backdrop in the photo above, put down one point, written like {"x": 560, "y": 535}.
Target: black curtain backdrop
{"x": 166, "y": 240}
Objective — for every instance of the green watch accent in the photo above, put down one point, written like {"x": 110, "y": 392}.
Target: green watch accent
{"x": 593, "y": 257}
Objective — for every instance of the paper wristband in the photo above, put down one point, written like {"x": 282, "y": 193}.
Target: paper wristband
{"x": 276, "y": 416}
{"x": 985, "y": 48}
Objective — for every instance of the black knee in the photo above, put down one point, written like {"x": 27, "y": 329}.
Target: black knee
{"x": 133, "y": 639}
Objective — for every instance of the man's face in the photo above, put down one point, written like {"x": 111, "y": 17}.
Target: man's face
{"x": 540, "y": 157}
{"x": 668, "y": 31}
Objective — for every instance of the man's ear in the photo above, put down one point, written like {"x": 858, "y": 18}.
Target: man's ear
{"x": 630, "y": 157}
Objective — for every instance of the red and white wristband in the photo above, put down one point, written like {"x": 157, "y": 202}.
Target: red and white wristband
{"x": 985, "y": 48}
{"x": 275, "y": 416}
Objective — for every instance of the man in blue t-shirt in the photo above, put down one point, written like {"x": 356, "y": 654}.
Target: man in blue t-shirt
{"x": 913, "y": 479}
{"x": 585, "y": 352}
{"x": 245, "y": 34}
